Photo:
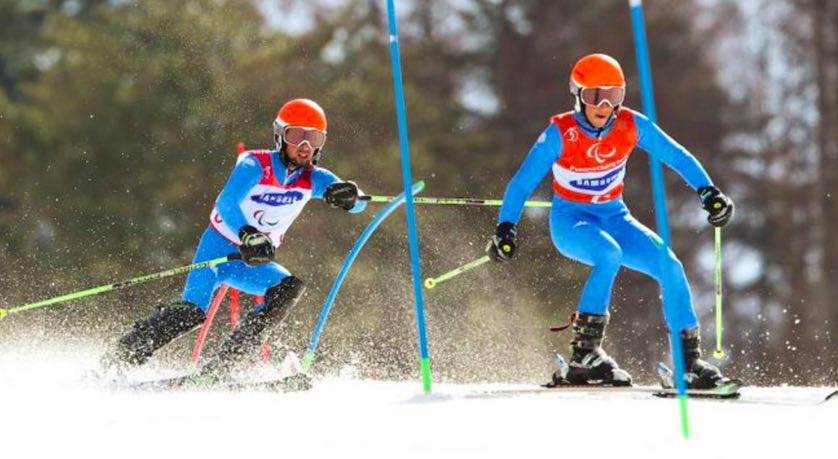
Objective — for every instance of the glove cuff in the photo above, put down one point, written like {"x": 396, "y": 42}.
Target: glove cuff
{"x": 247, "y": 229}
{"x": 506, "y": 229}
{"x": 707, "y": 192}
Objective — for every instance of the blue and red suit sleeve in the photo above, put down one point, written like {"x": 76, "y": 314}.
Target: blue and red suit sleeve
{"x": 244, "y": 177}
{"x": 659, "y": 145}
{"x": 546, "y": 150}
{"x": 322, "y": 178}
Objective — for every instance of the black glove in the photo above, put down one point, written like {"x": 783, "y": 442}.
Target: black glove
{"x": 719, "y": 206}
{"x": 256, "y": 247}
{"x": 341, "y": 194}
{"x": 502, "y": 245}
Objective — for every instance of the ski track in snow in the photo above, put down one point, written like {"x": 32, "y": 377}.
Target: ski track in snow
{"x": 48, "y": 412}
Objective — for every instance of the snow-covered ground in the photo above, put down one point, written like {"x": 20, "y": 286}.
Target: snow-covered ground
{"x": 47, "y": 412}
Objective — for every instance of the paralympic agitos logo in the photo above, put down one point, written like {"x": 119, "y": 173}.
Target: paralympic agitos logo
{"x": 278, "y": 199}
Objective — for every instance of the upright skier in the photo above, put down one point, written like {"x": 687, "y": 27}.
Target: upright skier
{"x": 587, "y": 150}
{"x": 264, "y": 194}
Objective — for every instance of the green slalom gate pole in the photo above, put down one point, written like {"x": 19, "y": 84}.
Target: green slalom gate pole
{"x": 432, "y": 282}
{"x": 455, "y": 201}
{"x": 719, "y": 352}
{"x": 118, "y": 285}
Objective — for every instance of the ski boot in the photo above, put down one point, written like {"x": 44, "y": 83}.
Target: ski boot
{"x": 167, "y": 322}
{"x": 249, "y": 335}
{"x": 292, "y": 375}
{"x": 589, "y": 364}
{"x": 699, "y": 373}
{"x": 299, "y": 382}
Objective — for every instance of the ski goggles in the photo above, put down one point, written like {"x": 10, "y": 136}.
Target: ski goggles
{"x": 596, "y": 96}
{"x": 297, "y": 135}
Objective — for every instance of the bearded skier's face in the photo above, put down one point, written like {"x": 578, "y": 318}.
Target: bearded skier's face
{"x": 598, "y": 116}
{"x": 299, "y": 155}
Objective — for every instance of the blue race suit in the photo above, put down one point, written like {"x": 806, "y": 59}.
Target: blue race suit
{"x": 589, "y": 221}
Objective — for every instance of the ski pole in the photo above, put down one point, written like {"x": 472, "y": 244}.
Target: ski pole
{"x": 118, "y": 285}
{"x": 454, "y": 201}
{"x": 719, "y": 352}
{"x": 431, "y": 282}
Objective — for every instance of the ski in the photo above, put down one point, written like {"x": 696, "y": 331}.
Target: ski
{"x": 580, "y": 389}
{"x": 726, "y": 391}
{"x": 745, "y": 395}
{"x": 729, "y": 388}
{"x": 182, "y": 382}
{"x": 298, "y": 382}
{"x": 729, "y": 391}
{"x": 753, "y": 397}
{"x": 289, "y": 378}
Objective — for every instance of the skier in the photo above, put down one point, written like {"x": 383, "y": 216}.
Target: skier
{"x": 587, "y": 150}
{"x": 264, "y": 194}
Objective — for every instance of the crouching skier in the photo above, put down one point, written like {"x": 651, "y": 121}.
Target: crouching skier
{"x": 265, "y": 193}
{"x": 587, "y": 150}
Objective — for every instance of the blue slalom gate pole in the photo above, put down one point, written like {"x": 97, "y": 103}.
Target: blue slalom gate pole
{"x": 411, "y": 217}
{"x": 648, "y": 100}
{"x": 308, "y": 358}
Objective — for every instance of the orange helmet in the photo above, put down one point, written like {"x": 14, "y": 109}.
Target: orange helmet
{"x": 596, "y": 71}
{"x": 299, "y": 112}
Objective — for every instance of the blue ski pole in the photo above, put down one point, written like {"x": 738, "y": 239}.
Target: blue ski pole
{"x": 412, "y": 234}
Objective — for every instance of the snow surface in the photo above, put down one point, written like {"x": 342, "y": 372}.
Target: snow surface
{"x": 48, "y": 411}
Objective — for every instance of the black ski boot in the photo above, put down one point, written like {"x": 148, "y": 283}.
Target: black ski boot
{"x": 699, "y": 373}
{"x": 166, "y": 323}
{"x": 248, "y": 336}
{"x": 589, "y": 364}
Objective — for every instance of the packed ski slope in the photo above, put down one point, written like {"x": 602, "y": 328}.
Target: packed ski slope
{"x": 49, "y": 411}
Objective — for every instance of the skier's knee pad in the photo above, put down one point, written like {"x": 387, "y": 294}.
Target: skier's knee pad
{"x": 166, "y": 323}
{"x": 281, "y": 298}
{"x": 177, "y": 318}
